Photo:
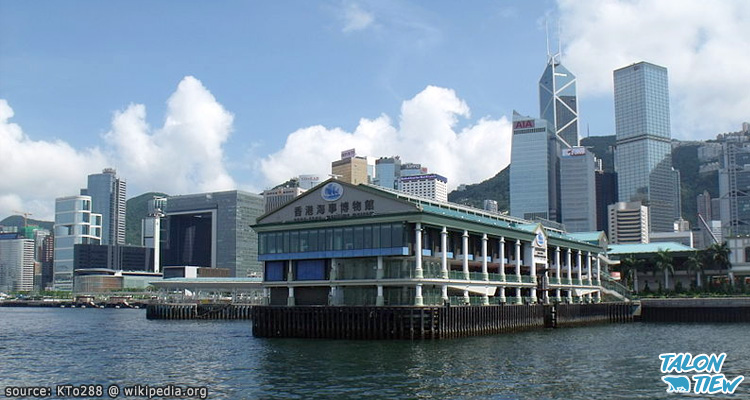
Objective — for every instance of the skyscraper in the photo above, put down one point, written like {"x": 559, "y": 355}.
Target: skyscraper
{"x": 107, "y": 193}
{"x": 578, "y": 190}
{"x": 534, "y": 169}
{"x": 387, "y": 172}
{"x": 643, "y": 160}
{"x": 74, "y": 224}
{"x": 558, "y": 103}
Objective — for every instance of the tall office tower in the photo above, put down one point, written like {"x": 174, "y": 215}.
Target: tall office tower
{"x": 273, "y": 199}
{"x": 534, "y": 169}
{"x": 703, "y": 202}
{"x": 734, "y": 186}
{"x": 75, "y": 223}
{"x": 643, "y": 159}
{"x": 578, "y": 190}
{"x": 387, "y": 172}
{"x": 108, "y": 193}
{"x": 558, "y": 102}
{"x": 606, "y": 194}
{"x": 431, "y": 186}
{"x": 628, "y": 223}
{"x": 411, "y": 169}
{"x": 309, "y": 181}
{"x": 351, "y": 168}
{"x": 16, "y": 263}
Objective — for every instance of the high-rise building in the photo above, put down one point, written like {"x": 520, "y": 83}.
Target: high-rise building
{"x": 643, "y": 159}
{"x": 75, "y": 223}
{"x": 703, "y": 202}
{"x": 16, "y": 263}
{"x": 558, "y": 102}
{"x": 387, "y": 172}
{"x": 213, "y": 230}
{"x": 606, "y": 194}
{"x": 490, "y": 205}
{"x": 431, "y": 186}
{"x": 351, "y": 168}
{"x": 628, "y": 223}
{"x": 275, "y": 198}
{"x": 578, "y": 190}
{"x": 734, "y": 184}
{"x": 534, "y": 169}
{"x": 108, "y": 195}
{"x": 309, "y": 181}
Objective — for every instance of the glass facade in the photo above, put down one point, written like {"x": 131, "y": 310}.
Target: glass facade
{"x": 558, "y": 102}
{"x": 643, "y": 160}
{"x": 108, "y": 193}
{"x": 578, "y": 190}
{"x": 378, "y": 236}
{"x": 74, "y": 224}
{"x": 534, "y": 170}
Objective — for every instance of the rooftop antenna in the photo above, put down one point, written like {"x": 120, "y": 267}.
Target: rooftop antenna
{"x": 546, "y": 34}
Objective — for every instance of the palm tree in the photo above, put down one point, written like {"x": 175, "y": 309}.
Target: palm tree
{"x": 629, "y": 267}
{"x": 695, "y": 264}
{"x": 664, "y": 263}
{"x": 718, "y": 257}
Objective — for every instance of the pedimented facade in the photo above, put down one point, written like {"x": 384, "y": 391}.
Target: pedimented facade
{"x": 341, "y": 244}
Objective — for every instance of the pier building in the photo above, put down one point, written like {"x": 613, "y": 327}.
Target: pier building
{"x": 346, "y": 245}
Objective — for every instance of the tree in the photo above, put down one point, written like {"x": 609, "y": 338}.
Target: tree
{"x": 629, "y": 268}
{"x": 717, "y": 256}
{"x": 664, "y": 262}
{"x": 695, "y": 264}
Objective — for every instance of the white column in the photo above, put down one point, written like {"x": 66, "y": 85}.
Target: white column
{"x": 444, "y": 249}
{"x": 418, "y": 300}
{"x": 588, "y": 267}
{"x": 379, "y": 271}
{"x": 518, "y": 298}
{"x": 485, "y": 275}
{"x": 466, "y": 296}
{"x": 290, "y": 299}
{"x": 380, "y": 301}
{"x": 501, "y": 252}
{"x": 502, "y": 258}
{"x": 289, "y": 271}
{"x": 518, "y": 259}
{"x": 598, "y": 271}
{"x": 533, "y": 279}
{"x": 557, "y": 272}
{"x": 418, "y": 273}
{"x": 465, "y": 246}
{"x": 444, "y": 292}
{"x": 579, "y": 261}
{"x": 569, "y": 262}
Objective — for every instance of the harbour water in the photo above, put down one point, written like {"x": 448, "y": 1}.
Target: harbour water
{"x": 48, "y": 347}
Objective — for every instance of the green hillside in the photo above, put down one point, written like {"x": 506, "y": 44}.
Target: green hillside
{"x": 17, "y": 221}
{"x": 495, "y": 188}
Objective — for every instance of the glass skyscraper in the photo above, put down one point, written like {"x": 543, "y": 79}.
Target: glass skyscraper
{"x": 643, "y": 160}
{"x": 534, "y": 169}
{"x": 558, "y": 103}
{"x": 107, "y": 193}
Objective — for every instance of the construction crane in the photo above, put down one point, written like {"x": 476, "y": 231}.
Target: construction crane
{"x": 25, "y": 217}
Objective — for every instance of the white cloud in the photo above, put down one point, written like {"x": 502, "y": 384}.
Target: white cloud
{"x": 35, "y": 172}
{"x": 704, "y": 45}
{"x": 355, "y": 18}
{"x": 426, "y": 134}
{"x": 185, "y": 155}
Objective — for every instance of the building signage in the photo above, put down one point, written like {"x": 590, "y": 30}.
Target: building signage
{"x": 334, "y": 210}
{"x": 332, "y": 191}
{"x": 348, "y": 154}
{"x": 574, "y": 152}
{"x": 524, "y": 124}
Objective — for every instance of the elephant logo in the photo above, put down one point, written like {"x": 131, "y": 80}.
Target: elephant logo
{"x": 677, "y": 384}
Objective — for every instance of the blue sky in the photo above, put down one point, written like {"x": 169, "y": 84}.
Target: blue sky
{"x": 187, "y": 96}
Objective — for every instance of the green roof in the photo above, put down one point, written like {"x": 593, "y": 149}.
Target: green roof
{"x": 639, "y": 248}
{"x": 591, "y": 237}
